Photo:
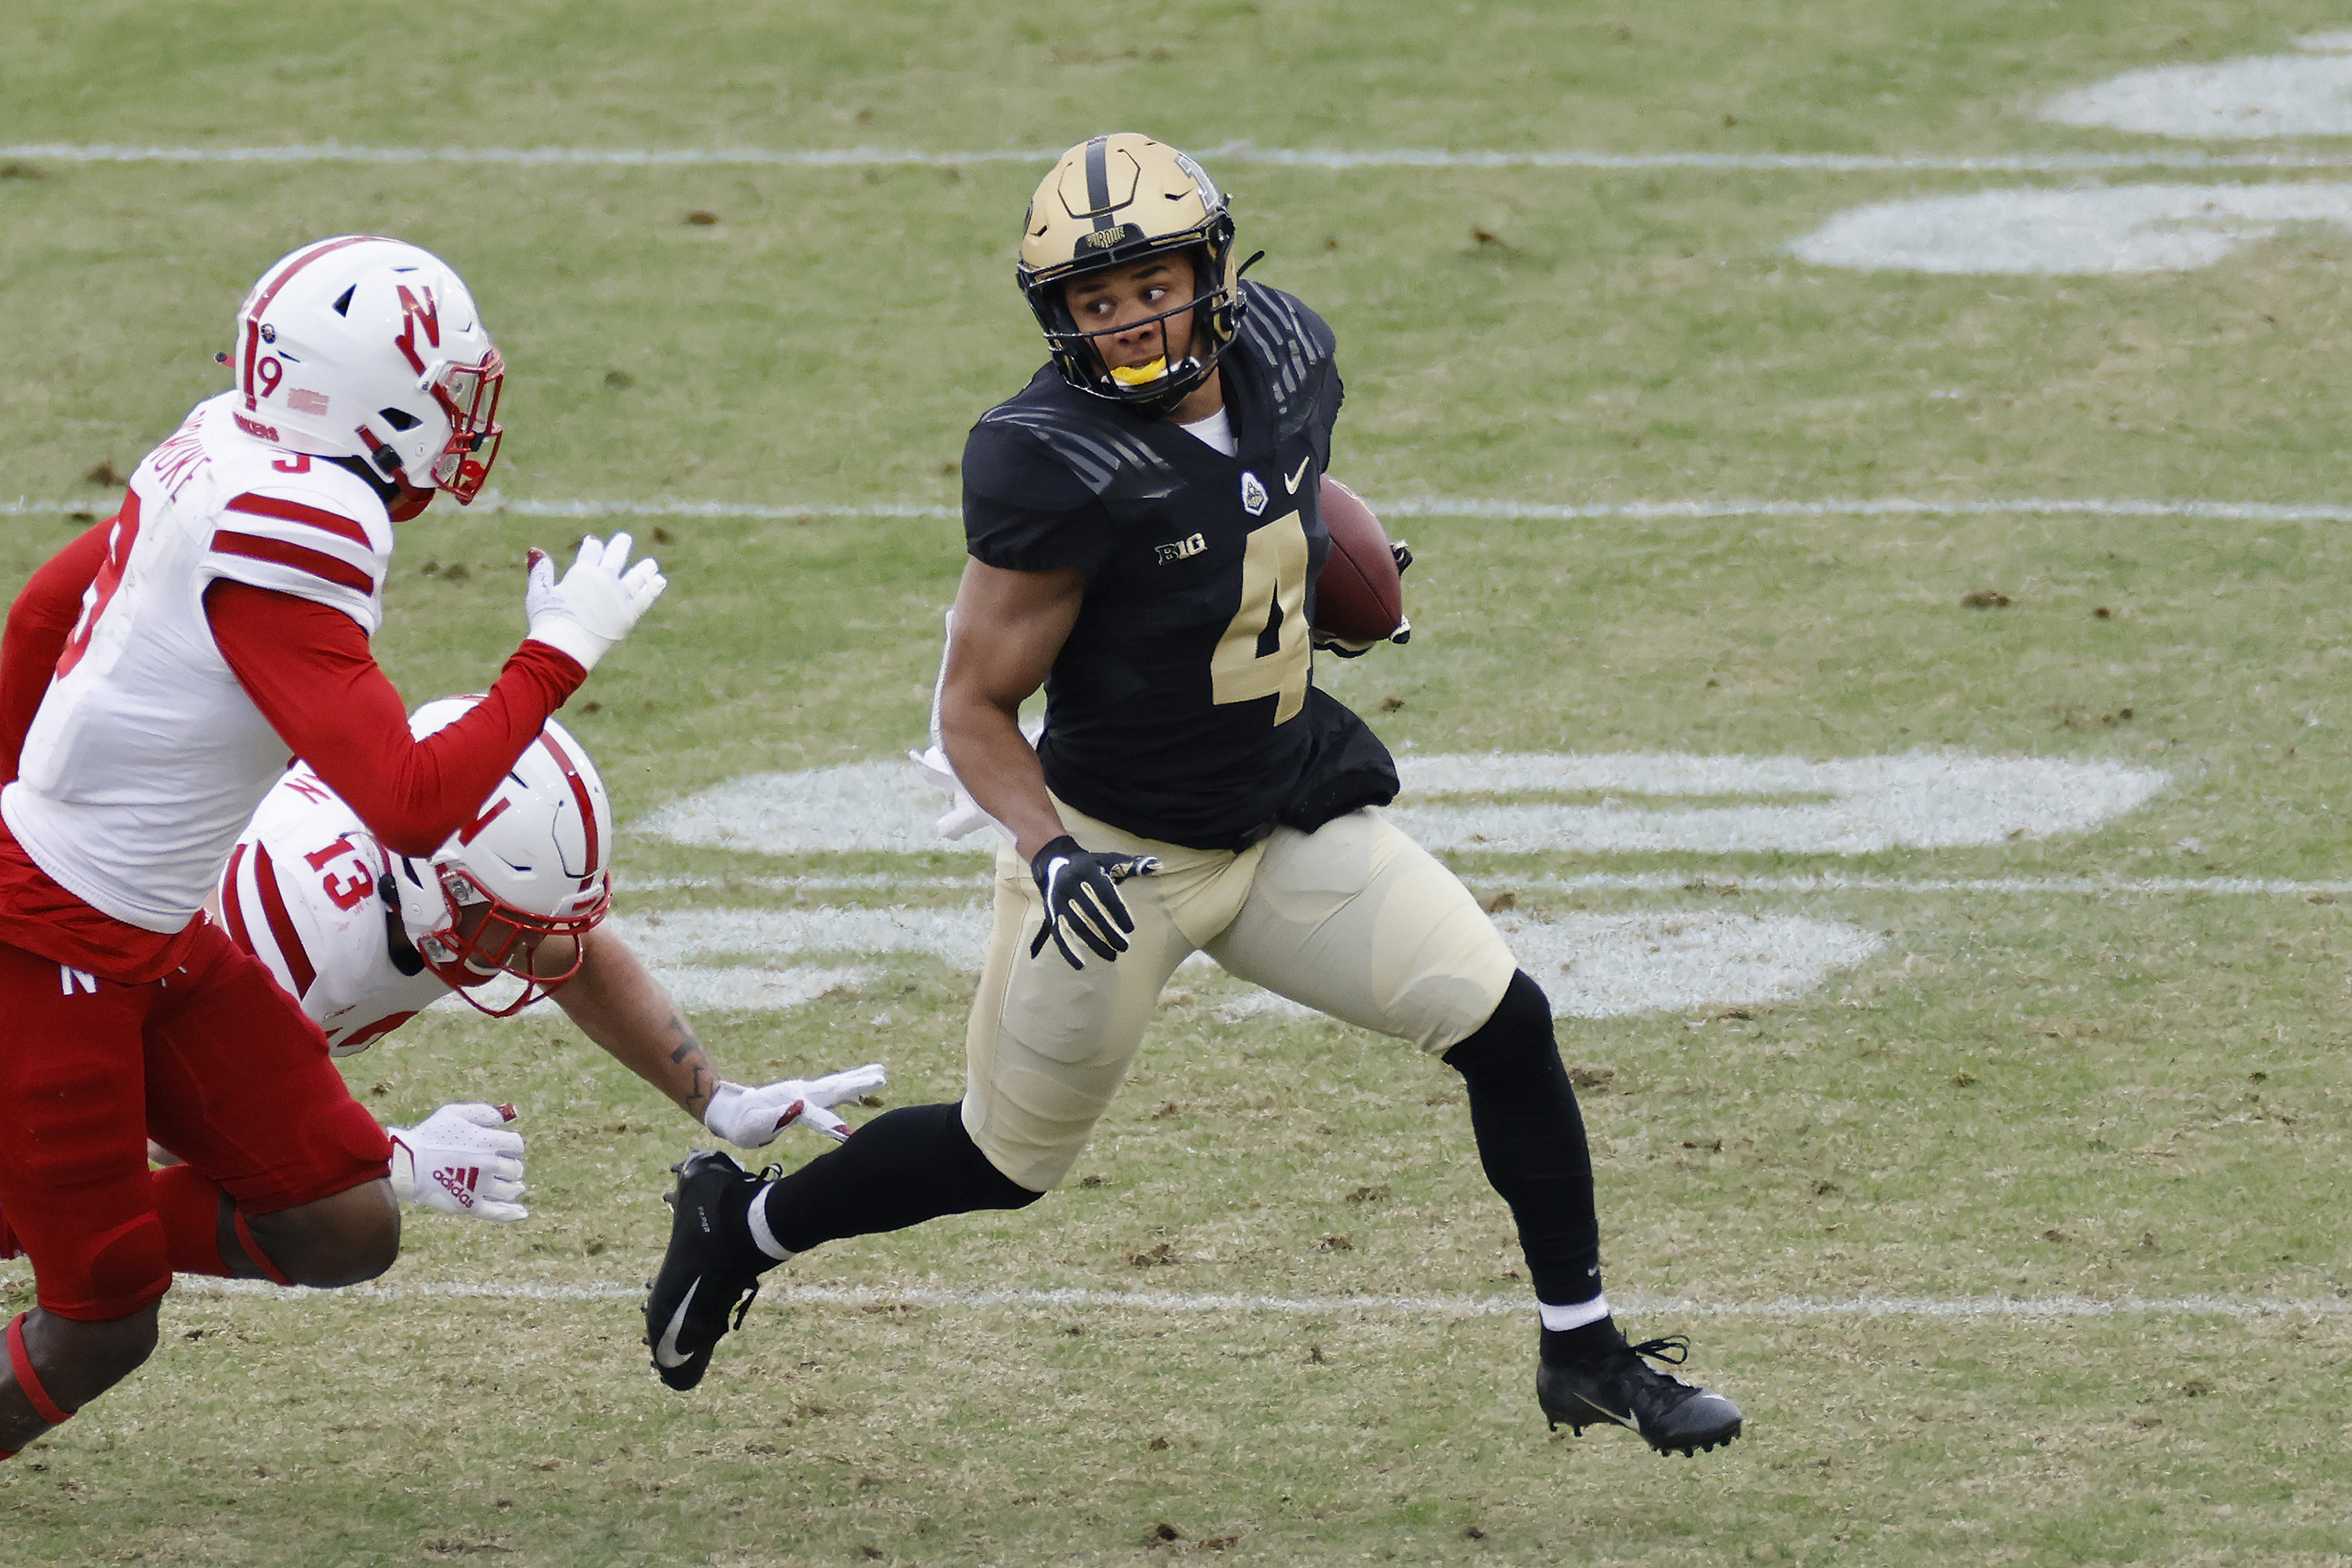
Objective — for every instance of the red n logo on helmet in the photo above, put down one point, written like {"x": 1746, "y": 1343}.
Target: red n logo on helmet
{"x": 411, "y": 313}
{"x": 473, "y": 829}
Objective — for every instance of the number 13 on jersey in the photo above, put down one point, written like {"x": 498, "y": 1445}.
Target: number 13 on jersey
{"x": 1265, "y": 651}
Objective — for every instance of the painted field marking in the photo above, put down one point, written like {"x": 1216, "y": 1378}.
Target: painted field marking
{"x": 879, "y": 805}
{"x": 850, "y": 882}
{"x": 1923, "y": 801}
{"x": 1591, "y": 965}
{"x": 2085, "y": 232}
{"x": 1840, "y": 882}
{"x": 1594, "y": 965}
{"x": 1329, "y": 160}
{"x": 2029, "y": 1307}
{"x": 1697, "y": 509}
{"x": 2250, "y": 99}
{"x": 1699, "y": 879}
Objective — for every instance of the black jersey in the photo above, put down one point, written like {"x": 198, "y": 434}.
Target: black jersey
{"x": 1174, "y": 709}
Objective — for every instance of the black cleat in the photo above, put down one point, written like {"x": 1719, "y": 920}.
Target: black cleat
{"x": 1671, "y": 1416}
{"x": 710, "y": 1266}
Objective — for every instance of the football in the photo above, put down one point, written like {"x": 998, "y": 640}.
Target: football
{"x": 1358, "y": 597}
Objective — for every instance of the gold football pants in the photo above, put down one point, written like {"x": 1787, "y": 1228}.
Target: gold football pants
{"x": 1354, "y": 920}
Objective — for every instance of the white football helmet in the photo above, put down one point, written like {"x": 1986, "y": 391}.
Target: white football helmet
{"x": 363, "y": 347}
{"x": 532, "y": 862}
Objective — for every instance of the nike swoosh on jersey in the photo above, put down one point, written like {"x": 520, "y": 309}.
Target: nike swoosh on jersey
{"x": 1291, "y": 484}
{"x": 665, "y": 1351}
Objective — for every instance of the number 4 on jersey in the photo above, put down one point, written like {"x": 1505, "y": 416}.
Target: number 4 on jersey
{"x": 1265, "y": 651}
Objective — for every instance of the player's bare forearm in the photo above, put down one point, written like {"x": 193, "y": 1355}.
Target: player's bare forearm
{"x": 619, "y": 1004}
{"x": 1009, "y": 628}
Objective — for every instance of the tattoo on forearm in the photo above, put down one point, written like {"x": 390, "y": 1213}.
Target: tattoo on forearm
{"x": 689, "y": 1054}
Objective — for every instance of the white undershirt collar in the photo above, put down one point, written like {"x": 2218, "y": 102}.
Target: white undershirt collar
{"x": 1217, "y": 432}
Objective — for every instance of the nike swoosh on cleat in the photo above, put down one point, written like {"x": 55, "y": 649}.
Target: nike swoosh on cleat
{"x": 665, "y": 1351}
{"x": 1291, "y": 484}
{"x": 1631, "y": 1418}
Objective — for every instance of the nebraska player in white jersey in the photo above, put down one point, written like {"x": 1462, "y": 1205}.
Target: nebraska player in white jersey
{"x": 154, "y": 677}
{"x": 366, "y": 939}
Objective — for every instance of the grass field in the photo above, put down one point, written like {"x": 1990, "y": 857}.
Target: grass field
{"x": 2084, "y": 1147}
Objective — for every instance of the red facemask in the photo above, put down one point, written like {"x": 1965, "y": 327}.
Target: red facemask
{"x": 502, "y": 943}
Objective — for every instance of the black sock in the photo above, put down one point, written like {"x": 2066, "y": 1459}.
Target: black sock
{"x": 904, "y": 1166}
{"x": 1590, "y": 1342}
{"x": 1531, "y": 1140}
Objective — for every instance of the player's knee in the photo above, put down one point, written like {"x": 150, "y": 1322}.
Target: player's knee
{"x": 999, "y": 1191}
{"x": 1515, "y": 1036}
{"x": 345, "y": 1239}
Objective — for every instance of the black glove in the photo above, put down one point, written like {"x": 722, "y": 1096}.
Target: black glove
{"x": 1081, "y": 891}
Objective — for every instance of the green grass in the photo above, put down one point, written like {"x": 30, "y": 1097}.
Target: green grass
{"x": 2023, "y": 1094}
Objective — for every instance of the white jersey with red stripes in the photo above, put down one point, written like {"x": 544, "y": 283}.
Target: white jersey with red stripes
{"x": 147, "y": 758}
{"x": 303, "y": 892}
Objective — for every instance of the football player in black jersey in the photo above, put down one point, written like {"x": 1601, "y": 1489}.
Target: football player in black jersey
{"x": 1144, "y": 539}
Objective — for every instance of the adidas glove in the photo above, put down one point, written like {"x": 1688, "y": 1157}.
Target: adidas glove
{"x": 1081, "y": 893}
{"x": 751, "y": 1118}
{"x": 595, "y": 604}
{"x": 462, "y": 1158}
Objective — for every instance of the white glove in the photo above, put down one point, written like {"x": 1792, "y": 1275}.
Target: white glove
{"x": 461, "y": 1160}
{"x": 595, "y": 605}
{"x": 963, "y": 817}
{"x": 751, "y": 1118}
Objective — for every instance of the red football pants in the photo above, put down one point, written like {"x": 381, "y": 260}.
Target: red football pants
{"x": 215, "y": 1061}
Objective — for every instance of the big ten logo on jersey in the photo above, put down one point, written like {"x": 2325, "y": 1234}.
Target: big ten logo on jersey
{"x": 1180, "y": 549}
{"x": 346, "y": 884}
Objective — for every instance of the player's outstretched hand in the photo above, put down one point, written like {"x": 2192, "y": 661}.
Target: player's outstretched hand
{"x": 462, "y": 1158}
{"x": 751, "y": 1118}
{"x": 1081, "y": 893}
{"x": 595, "y": 604}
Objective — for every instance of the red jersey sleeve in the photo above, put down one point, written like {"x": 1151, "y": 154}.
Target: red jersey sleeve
{"x": 309, "y": 668}
{"x": 40, "y": 622}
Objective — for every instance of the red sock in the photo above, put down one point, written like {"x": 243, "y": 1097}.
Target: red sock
{"x": 188, "y": 1203}
{"x": 29, "y": 1382}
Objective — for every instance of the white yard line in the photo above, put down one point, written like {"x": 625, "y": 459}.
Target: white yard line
{"x": 1839, "y": 882}
{"x": 1195, "y": 1303}
{"x": 1327, "y": 159}
{"x": 1694, "y": 880}
{"x": 1430, "y": 506}
{"x": 862, "y": 882}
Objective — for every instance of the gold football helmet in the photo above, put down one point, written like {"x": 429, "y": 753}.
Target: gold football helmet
{"x": 1117, "y": 199}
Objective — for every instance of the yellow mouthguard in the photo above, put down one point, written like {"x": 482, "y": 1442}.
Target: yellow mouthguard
{"x": 1136, "y": 375}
